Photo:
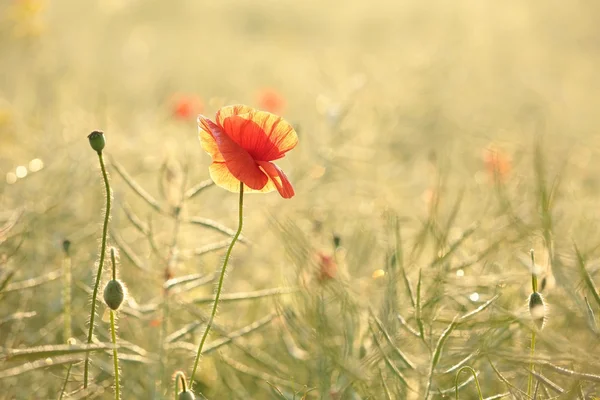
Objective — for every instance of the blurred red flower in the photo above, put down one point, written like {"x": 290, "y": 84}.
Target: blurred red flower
{"x": 497, "y": 164}
{"x": 271, "y": 100}
{"x": 327, "y": 267}
{"x": 242, "y": 143}
{"x": 186, "y": 106}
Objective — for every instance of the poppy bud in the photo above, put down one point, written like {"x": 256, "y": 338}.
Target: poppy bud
{"x": 537, "y": 309}
{"x": 97, "y": 141}
{"x": 337, "y": 240}
{"x": 66, "y": 246}
{"x": 187, "y": 395}
{"x": 114, "y": 293}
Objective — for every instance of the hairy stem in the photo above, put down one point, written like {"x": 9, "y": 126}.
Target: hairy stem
{"x": 113, "y": 334}
{"x": 219, "y": 285}
{"x": 86, "y": 368}
{"x": 531, "y": 365}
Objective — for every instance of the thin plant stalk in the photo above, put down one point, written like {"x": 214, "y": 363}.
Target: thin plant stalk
{"x": 470, "y": 369}
{"x": 534, "y": 287}
{"x": 86, "y": 368}
{"x": 64, "y": 387}
{"x": 179, "y": 376}
{"x": 219, "y": 285}
{"x": 67, "y": 279}
{"x": 113, "y": 331}
{"x": 115, "y": 354}
{"x": 172, "y": 260}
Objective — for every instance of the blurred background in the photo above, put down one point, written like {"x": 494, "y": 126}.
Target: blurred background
{"x": 461, "y": 113}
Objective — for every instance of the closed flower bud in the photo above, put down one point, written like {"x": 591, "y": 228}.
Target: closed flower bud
{"x": 97, "y": 141}
{"x": 66, "y": 246}
{"x": 537, "y": 309}
{"x": 114, "y": 294}
{"x": 187, "y": 395}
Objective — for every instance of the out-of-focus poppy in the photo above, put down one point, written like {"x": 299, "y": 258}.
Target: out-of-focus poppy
{"x": 243, "y": 142}
{"x": 327, "y": 267}
{"x": 497, "y": 164}
{"x": 271, "y": 100}
{"x": 186, "y": 106}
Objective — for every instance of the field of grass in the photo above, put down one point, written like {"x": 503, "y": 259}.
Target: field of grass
{"x": 442, "y": 146}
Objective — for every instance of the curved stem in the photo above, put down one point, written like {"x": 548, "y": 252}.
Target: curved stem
{"x": 219, "y": 286}
{"x": 115, "y": 355}
{"x": 470, "y": 369}
{"x": 180, "y": 376}
{"x": 86, "y": 367}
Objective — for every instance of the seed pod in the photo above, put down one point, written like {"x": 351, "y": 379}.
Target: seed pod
{"x": 114, "y": 293}
{"x": 537, "y": 309}
{"x": 97, "y": 141}
{"x": 187, "y": 395}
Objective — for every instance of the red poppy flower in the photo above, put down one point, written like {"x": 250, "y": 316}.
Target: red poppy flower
{"x": 243, "y": 142}
{"x": 270, "y": 100}
{"x": 186, "y": 107}
{"x": 497, "y": 164}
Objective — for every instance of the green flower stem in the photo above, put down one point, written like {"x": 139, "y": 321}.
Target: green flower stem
{"x": 534, "y": 288}
{"x": 112, "y": 328}
{"x": 531, "y": 365}
{"x": 67, "y": 277}
{"x": 472, "y": 371}
{"x": 534, "y": 281}
{"x": 113, "y": 261}
{"x": 180, "y": 376}
{"x": 113, "y": 333}
{"x": 86, "y": 368}
{"x": 219, "y": 286}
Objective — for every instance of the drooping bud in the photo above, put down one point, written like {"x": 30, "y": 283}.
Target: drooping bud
{"x": 97, "y": 141}
{"x": 537, "y": 309}
{"x": 187, "y": 395}
{"x": 114, "y": 294}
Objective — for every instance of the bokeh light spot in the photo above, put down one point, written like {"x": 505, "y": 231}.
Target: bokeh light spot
{"x": 11, "y": 178}
{"x": 21, "y": 171}
{"x": 378, "y": 273}
{"x": 35, "y": 165}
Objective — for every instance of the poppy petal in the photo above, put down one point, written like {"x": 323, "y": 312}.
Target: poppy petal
{"x": 228, "y": 111}
{"x": 222, "y": 177}
{"x": 267, "y": 137}
{"x": 278, "y": 179}
{"x": 207, "y": 141}
{"x": 238, "y": 161}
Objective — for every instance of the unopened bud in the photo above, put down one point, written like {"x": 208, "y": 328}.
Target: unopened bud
{"x": 187, "y": 395}
{"x": 114, "y": 294}
{"x": 97, "y": 141}
{"x": 537, "y": 309}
